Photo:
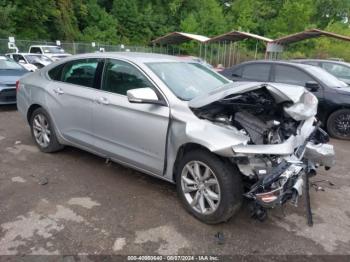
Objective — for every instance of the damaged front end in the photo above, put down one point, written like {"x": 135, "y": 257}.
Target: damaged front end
{"x": 284, "y": 142}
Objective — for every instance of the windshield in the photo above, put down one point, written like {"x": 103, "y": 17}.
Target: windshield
{"x": 187, "y": 80}
{"x": 338, "y": 70}
{"x": 7, "y": 64}
{"x": 325, "y": 77}
{"x": 53, "y": 49}
{"x": 37, "y": 58}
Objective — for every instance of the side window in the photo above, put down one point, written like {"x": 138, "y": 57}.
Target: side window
{"x": 80, "y": 72}
{"x": 291, "y": 75}
{"x": 16, "y": 57}
{"x": 35, "y": 50}
{"x": 20, "y": 57}
{"x": 56, "y": 72}
{"x": 119, "y": 77}
{"x": 337, "y": 70}
{"x": 257, "y": 72}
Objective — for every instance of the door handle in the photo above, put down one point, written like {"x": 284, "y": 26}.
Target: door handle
{"x": 58, "y": 91}
{"x": 103, "y": 101}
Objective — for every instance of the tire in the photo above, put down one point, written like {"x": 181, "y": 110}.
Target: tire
{"x": 39, "y": 119}
{"x": 228, "y": 187}
{"x": 338, "y": 124}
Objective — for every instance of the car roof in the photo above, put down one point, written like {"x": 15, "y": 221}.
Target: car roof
{"x": 280, "y": 62}
{"x": 43, "y": 45}
{"x": 23, "y": 54}
{"x": 132, "y": 56}
{"x": 322, "y": 60}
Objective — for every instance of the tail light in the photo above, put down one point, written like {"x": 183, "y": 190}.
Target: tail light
{"x": 17, "y": 86}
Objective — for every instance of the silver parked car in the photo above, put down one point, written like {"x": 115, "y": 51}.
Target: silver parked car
{"x": 339, "y": 69}
{"x": 10, "y": 72}
{"x": 182, "y": 122}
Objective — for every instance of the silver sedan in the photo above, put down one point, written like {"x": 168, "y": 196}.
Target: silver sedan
{"x": 182, "y": 122}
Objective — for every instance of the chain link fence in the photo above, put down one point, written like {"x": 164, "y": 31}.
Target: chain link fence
{"x": 79, "y": 47}
{"x": 225, "y": 55}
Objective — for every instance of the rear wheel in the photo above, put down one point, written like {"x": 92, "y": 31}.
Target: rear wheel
{"x": 209, "y": 187}
{"x": 43, "y": 131}
{"x": 338, "y": 124}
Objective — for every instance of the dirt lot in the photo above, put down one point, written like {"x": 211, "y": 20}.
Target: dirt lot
{"x": 72, "y": 202}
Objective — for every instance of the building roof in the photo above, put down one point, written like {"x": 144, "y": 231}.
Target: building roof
{"x": 178, "y": 38}
{"x": 312, "y": 33}
{"x": 233, "y": 36}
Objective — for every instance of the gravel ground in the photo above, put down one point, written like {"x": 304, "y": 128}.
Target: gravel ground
{"x": 72, "y": 202}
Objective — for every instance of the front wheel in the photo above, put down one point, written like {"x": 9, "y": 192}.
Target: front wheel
{"x": 338, "y": 124}
{"x": 209, "y": 187}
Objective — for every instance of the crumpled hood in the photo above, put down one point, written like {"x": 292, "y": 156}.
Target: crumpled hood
{"x": 304, "y": 103}
{"x": 281, "y": 92}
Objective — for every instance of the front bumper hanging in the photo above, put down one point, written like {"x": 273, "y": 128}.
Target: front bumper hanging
{"x": 285, "y": 181}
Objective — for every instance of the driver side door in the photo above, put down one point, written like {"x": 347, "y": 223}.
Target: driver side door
{"x": 131, "y": 133}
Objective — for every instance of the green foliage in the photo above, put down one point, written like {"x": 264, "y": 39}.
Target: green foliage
{"x": 294, "y": 16}
{"x": 94, "y": 23}
{"x": 139, "y": 21}
{"x": 328, "y": 47}
{"x": 7, "y": 25}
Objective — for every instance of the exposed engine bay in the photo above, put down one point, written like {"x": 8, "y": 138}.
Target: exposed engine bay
{"x": 255, "y": 113}
{"x": 285, "y": 145}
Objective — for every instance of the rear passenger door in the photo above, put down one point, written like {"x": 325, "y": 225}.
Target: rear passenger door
{"x": 132, "y": 133}
{"x": 256, "y": 72}
{"x": 71, "y": 93}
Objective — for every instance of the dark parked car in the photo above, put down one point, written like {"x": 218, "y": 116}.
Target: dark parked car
{"x": 333, "y": 94}
{"x": 339, "y": 69}
{"x": 10, "y": 72}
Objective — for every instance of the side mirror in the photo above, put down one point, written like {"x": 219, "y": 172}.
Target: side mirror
{"x": 144, "y": 96}
{"x": 21, "y": 61}
{"x": 312, "y": 86}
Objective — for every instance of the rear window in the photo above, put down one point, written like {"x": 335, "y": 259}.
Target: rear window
{"x": 35, "y": 50}
{"x": 7, "y": 64}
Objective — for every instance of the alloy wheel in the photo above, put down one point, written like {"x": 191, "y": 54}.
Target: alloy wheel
{"x": 41, "y": 130}
{"x": 200, "y": 187}
{"x": 342, "y": 124}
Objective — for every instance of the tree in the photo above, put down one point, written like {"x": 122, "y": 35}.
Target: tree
{"x": 294, "y": 16}
{"x": 95, "y": 23}
{"x": 7, "y": 11}
{"x": 65, "y": 21}
{"x": 128, "y": 17}
{"x": 328, "y": 11}
{"x": 32, "y": 18}
{"x": 190, "y": 24}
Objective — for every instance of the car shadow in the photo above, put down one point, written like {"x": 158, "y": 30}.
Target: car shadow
{"x": 5, "y": 108}
{"x": 122, "y": 170}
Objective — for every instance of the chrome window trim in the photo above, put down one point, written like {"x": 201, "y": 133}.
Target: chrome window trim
{"x": 165, "y": 99}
